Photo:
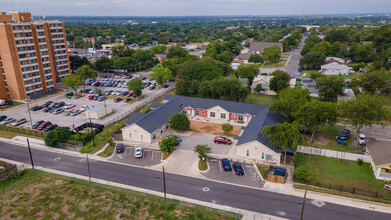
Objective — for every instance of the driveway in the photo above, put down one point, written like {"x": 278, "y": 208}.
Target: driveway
{"x": 150, "y": 158}
{"x": 188, "y": 143}
{"x": 216, "y": 172}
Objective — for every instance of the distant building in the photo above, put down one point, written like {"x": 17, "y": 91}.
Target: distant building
{"x": 33, "y": 56}
{"x": 380, "y": 153}
{"x": 160, "y": 57}
{"x": 259, "y": 47}
{"x": 109, "y": 46}
{"x": 335, "y": 67}
{"x": 98, "y": 111}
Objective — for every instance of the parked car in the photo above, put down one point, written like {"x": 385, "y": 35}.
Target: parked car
{"x": 44, "y": 125}
{"x": 75, "y": 112}
{"x": 58, "y": 111}
{"x": 362, "y": 139}
{"x": 50, "y": 127}
{"x": 343, "y": 135}
{"x": 138, "y": 152}
{"x": 116, "y": 100}
{"x": 47, "y": 104}
{"x": 165, "y": 86}
{"x": 134, "y": 95}
{"x": 143, "y": 78}
{"x": 238, "y": 169}
{"x": 61, "y": 104}
{"x": 67, "y": 112}
{"x": 129, "y": 94}
{"x": 225, "y": 164}
{"x": 36, "y": 108}
{"x": 84, "y": 108}
{"x": 48, "y": 109}
{"x": 101, "y": 98}
{"x": 127, "y": 100}
{"x": 178, "y": 139}
{"x": 222, "y": 140}
{"x": 2, "y": 118}
{"x": 91, "y": 97}
{"x": 119, "y": 148}
{"x": 7, "y": 121}
{"x": 19, "y": 122}
{"x": 35, "y": 126}
{"x": 69, "y": 106}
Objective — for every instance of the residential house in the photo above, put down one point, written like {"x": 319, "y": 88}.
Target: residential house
{"x": 147, "y": 127}
{"x": 334, "y": 67}
{"x": 259, "y": 47}
{"x": 380, "y": 153}
{"x": 264, "y": 81}
{"x": 161, "y": 57}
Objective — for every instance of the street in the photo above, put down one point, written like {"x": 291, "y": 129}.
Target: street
{"x": 223, "y": 194}
{"x": 293, "y": 63}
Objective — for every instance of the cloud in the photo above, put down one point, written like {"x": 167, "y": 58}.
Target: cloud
{"x": 82, "y": 3}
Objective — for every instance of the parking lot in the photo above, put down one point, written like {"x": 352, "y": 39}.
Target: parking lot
{"x": 188, "y": 143}
{"x": 70, "y": 121}
{"x": 250, "y": 177}
{"x": 150, "y": 157}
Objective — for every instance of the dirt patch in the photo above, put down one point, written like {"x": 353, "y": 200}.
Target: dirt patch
{"x": 212, "y": 128}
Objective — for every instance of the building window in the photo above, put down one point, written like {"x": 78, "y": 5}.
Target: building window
{"x": 141, "y": 137}
{"x": 240, "y": 117}
{"x": 263, "y": 155}
{"x": 212, "y": 114}
{"x": 203, "y": 112}
{"x": 248, "y": 153}
{"x": 130, "y": 135}
{"x": 197, "y": 112}
{"x": 184, "y": 110}
{"x": 153, "y": 136}
{"x": 233, "y": 115}
{"x": 222, "y": 115}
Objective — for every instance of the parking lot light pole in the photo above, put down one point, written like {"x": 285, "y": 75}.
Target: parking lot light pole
{"x": 31, "y": 156}
{"x": 93, "y": 133}
{"x": 164, "y": 184}
{"x": 28, "y": 109}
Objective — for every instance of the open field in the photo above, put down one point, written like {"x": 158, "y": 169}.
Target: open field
{"x": 40, "y": 195}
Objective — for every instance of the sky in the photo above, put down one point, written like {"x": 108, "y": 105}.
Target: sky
{"x": 194, "y": 7}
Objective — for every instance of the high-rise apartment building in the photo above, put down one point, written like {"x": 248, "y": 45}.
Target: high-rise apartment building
{"x": 33, "y": 56}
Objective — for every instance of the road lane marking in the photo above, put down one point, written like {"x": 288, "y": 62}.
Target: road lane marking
{"x": 153, "y": 152}
{"x": 221, "y": 170}
{"x": 82, "y": 160}
{"x": 57, "y": 158}
{"x": 205, "y": 189}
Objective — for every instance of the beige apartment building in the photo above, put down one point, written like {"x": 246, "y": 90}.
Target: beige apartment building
{"x": 33, "y": 56}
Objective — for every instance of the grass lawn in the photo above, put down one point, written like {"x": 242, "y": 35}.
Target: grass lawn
{"x": 145, "y": 108}
{"x": 260, "y": 99}
{"x": 108, "y": 151}
{"x": 341, "y": 172}
{"x": 14, "y": 104}
{"x": 102, "y": 138}
{"x": 325, "y": 139}
{"x": 202, "y": 165}
{"x": 10, "y": 134}
{"x": 40, "y": 195}
{"x": 263, "y": 169}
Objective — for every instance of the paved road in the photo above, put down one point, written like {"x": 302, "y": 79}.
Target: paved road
{"x": 222, "y": 194}
{"x": 294, "y": 61}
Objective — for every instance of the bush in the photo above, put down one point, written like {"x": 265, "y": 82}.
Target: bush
{"x": 168, "y": 144}
{"x": 360, "y": 161}
{"x": 227, "y": 128}
{"x": 264, "y": 74}
{"x": 301, "y": 173}
{"x": 179, "y": 122}
{"x": 58, "y": 135}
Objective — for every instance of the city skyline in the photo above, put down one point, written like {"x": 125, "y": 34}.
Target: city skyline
{"x": 193, "y": 8}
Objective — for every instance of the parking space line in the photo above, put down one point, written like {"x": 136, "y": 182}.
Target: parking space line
{"x": 153, "y": 152}
{"x": 221, "y": 170}
{"x": 232, "y": 169}
{"x": 244, "y": 170}
{"x": 126, "y": 150}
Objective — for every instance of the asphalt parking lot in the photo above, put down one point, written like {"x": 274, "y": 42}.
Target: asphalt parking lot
{"x": 216, "y": 172}
{"x": 188, "y": 143}
{"x": 150, "y": 157}
{"x": 69, "y": 121}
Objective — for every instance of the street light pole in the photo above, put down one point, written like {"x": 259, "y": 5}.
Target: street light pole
{"x": 31, "y": 156}
{"x": 302, "y": 207}
{"x": 93, "y": 133}
{"x": 164, "y": 184}
{"x": 28, "y": 109}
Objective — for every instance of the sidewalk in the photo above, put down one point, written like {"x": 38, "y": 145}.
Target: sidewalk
{"x": 185, "y": 162}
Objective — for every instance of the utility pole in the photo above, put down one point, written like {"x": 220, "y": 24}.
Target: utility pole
{"x": 93, "y": 133}
{"x": 89, "y": 172}
{"x": 164, "y": 184}
{"x": 28, "y": 109}
{"x": 31, "y": 156}
{"x": 302, "y": 207}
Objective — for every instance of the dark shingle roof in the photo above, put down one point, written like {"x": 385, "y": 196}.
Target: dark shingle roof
{"x": 134, "y": 117}
{"x": 260, "y": 46}
{"x": 156, "y": 105}
{"x": 245, "y": 56}
{"x": 380, "y": 152}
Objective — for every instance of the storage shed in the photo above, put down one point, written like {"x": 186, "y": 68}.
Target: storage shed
{"x": 98, "y": 111}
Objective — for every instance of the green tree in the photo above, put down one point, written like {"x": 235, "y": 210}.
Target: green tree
{"x": 159, "y": 49}
{"x": 330, "y": 87}
{"x": 73, "y": 81}
{"x": 374, "y": 81}
{"x": 58, "y": 135}
{"x": 301, "y": 173}
{"x": 168, "y": 144}
{"x": 283, "y": 136}
{"x": 272, "y": 53}
{"x": 289, "y": 102}
{"x": 86, "y": 72}
{"x": 177, "y": 52}
{"x": 365, "y": 110}
{"x": 136, "y": 85}
{"x": 255, "y": 58}
{"x": 227, "y": 128}
{"x": 179, "y": 122}
{"x": 258, "y": 88}
{"x": 103, "y": 63}
{"x": 312, "y": 60}
{"x": 202, "y": 151}
{"x": 77, "y": 62}
{"x": 248, "y": 71}
{"x": 314, "y": 114}
{"x": 279, "y": 81}
{"x": 161, "y": 74}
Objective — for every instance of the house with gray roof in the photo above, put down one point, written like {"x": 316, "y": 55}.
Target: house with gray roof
{"x": 259, "y": 47}
{"x": 380, "y": 153}
{"x": 251, "y": 144}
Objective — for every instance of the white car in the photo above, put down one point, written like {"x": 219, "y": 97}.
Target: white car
{"x": 362, "y": 139}
{"x": 68, "y": 106}
{"x": 84, "y": 108}
{"x": 138, "y": 152}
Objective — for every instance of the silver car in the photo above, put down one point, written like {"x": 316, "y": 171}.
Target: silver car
{"x": 138, "y": 152}
{"x": 19, "y": 122}
{"x": 58, "y": 111}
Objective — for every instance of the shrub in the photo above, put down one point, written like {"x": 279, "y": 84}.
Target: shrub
{"x": 179, "y": 122}
{"x": 360, "y": 161}
{"x": 227, "y": 128}
{"x": 258, "y": 88}
{"x": 202, "y": 151}
{"x": 301, "y": 173}
{"x": 168, "y": 144}
{"x": 58, "y": 135}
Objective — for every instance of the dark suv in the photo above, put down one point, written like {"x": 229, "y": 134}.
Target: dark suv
{"x": 119, "y": 148}
{"x": 225, "y": 164}
{"x": 343, "y": 135}
{"x": 238, "y": 169}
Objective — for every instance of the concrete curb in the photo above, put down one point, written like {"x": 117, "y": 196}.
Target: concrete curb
{"x": 101, "y": 150}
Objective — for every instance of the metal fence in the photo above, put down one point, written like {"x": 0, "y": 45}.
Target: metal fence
{"x": 139, "y": 105}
